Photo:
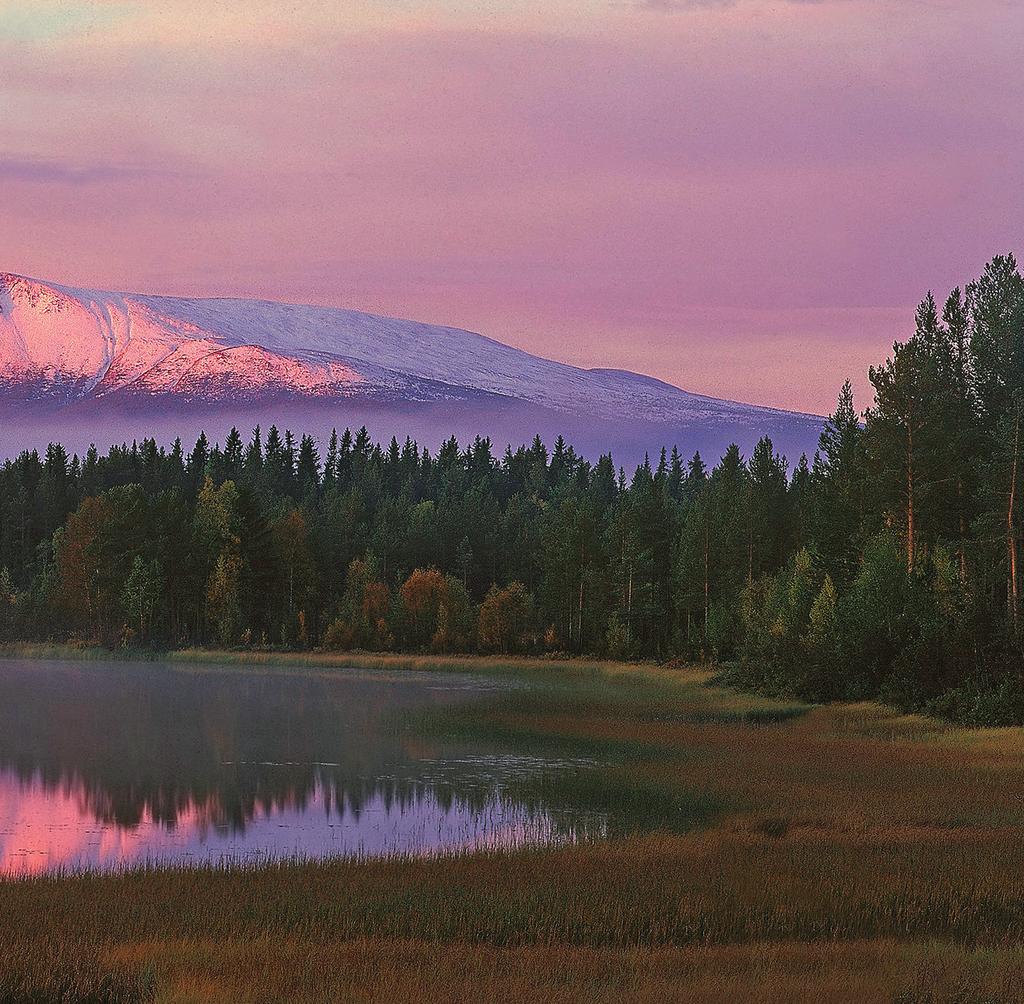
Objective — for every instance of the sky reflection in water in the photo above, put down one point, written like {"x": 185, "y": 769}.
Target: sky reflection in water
{"x": 113, "y": 766}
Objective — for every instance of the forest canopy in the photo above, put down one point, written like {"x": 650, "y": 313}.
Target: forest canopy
{"x": 886, "y": 565}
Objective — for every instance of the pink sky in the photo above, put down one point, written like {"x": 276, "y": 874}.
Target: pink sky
{"x": 744, "y": 198}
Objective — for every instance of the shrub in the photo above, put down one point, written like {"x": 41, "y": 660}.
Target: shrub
{"x": 506, "y": 619}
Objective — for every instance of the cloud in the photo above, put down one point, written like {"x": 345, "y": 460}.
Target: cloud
{"x": 54, "y": 172}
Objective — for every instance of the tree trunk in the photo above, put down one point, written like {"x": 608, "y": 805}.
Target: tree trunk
{"x": 579, "y": 624}
{"x": 629, "y": 610}
{"x": 910, "y": 499}
{"x": 1011, "y": 525}
{"x": 707, "y": 566}
{"x": 962, "y": 548}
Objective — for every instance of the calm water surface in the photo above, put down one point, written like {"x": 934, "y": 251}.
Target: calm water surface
{"x": 107, "y": 766}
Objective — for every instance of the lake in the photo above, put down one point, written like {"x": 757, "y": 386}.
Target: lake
{"x": 105, "y": 766}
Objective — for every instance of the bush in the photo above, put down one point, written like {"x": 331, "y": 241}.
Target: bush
{"x": 506, "y": 619}
{"x": 992, "y": 703}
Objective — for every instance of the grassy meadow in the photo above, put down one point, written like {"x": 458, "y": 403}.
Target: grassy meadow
{"x": 758, "y": 851}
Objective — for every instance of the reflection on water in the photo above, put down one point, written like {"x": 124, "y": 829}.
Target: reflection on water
{"x": 119, "y": 765}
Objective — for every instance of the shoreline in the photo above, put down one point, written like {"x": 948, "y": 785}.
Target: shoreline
{"x": 318, "y": 660}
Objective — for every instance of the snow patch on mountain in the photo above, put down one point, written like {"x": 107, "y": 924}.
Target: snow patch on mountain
{"x": 59, "y": 343}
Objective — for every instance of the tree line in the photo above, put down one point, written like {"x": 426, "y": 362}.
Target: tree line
{"x": 887, "y": 565}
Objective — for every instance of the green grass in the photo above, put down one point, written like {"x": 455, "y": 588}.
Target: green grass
{"x": 759, "y": 851}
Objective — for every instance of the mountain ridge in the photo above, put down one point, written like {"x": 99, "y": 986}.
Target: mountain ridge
{"x": 62, "y": 346}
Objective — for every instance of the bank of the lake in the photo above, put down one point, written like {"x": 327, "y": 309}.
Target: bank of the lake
{"x": 853, "y": 854}
{"x": 303, "y": 660}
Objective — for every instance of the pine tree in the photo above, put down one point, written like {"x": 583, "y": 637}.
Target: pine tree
{"x": 233, "y": 459}
{"x": 905, "y": 431}
{"x": 835, "y": 504}
{"x": 198, "y": 459}
{"x": 253, "y": 463}
{"x": 997, "y": 353}
{"x": 676, "y": 476}
{"x": 767, "y": 510}
{"x": 331, "y": 462}
{"x": 308, "y": 468}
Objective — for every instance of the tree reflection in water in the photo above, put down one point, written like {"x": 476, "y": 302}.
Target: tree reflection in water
{"x": 103, "y": 765}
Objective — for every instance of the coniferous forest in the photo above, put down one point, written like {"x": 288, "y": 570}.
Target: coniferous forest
{"x": 886, "y": 565}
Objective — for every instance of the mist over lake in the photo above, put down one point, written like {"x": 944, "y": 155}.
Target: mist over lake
{"x": 117, "y": 765}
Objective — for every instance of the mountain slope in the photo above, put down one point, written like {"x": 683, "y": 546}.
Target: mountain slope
{"x": 107, "y": 356}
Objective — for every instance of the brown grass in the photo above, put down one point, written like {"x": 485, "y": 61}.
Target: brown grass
{"x": 386, "y": 971}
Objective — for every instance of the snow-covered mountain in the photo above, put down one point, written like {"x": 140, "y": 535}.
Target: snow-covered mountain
{"x": 79, "y": 364}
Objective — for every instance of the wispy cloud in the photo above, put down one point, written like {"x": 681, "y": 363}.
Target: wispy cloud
{"x": 55, "y": 172}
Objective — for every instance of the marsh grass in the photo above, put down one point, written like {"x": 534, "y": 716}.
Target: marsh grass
{"x": 768, "y": 852}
